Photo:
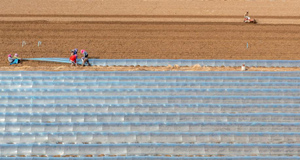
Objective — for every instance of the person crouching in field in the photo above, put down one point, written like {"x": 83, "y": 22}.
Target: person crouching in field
{"x": 246, "y": 17}
{"x": 73, "y": 60}
{"x": 17, "y": 57}
{"x": 85, "y": 58}
{"x": 74, "y": 52}
{"x": 12, "y": 60}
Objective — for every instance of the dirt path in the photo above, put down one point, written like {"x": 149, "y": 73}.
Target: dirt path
{"x": 152, "y": 7}
{"x": 267, "y": 11}
{"x": 66, "y": 67}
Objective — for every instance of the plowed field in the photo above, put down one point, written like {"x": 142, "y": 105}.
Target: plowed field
{"x": 136, "y": 32}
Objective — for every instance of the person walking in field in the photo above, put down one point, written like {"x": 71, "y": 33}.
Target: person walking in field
{"x": 85, "y": 58}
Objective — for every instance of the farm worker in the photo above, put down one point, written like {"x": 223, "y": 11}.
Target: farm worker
{"x": 16, "y": 57}
{"x": 85, "y": 58}
{"x": 11, "y": 60}
{"x": 243, "y": 67}
{"x": 74, "y": 52}
{"x": 73, "y": 60}
{"x": 246, "y": 15}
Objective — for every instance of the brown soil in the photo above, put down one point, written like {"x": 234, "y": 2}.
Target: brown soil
{"x": 148, "y": 29}
{"x": 65, "y": 67}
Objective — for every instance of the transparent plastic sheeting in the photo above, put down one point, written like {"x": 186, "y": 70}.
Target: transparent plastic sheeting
{"x": 150, "y": 73}
{"x": 180, "y": 62}
{"x": 152, "y": 158}
{"x": 150, "y": 137}
{"x": 151, "y": 108}
{"x": 148, "y": 117}
{"x": 148, "y": 99}
{"x": 150, "y": 127}
{"x": 150, "y": 149}
{"x": 120, "y": 85}
{"x": 149, "y": 91}
{"x": 84, "y": 79}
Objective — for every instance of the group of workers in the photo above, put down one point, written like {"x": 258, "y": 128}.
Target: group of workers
{"x": 84, "y": 59}
{"x": 73, "y": 58}
{"x": 14, "y": 60}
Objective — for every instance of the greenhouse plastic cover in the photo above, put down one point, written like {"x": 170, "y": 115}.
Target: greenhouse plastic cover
{"x": 180, "y": 62}
{"x": 150, "y": 73}
{"x": 149, "y": 99}
{"x": 149, "y": 115}
{"x": 149, "y": 158}
{"x": 151, "y": 108}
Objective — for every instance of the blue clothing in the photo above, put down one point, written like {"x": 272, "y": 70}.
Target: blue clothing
{"x": 16, "y": 61}
{"x": 74, "y": 52}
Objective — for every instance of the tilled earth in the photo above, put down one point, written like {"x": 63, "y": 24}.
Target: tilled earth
{"x": 149, "y": 40}
{"x": 148, "y": 29}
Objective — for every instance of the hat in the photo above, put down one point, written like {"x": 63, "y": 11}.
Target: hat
{"x": 9, "y": 55}
{"x": 82, "y": 51}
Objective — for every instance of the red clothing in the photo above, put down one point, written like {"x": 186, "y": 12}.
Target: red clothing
{"x": 73, "y": 58}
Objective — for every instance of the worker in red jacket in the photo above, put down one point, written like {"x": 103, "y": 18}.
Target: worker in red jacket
{"x": 73, "y": 60}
